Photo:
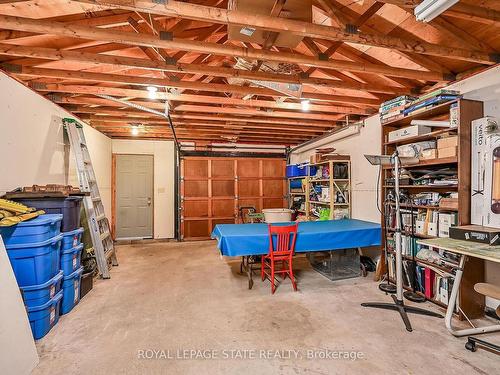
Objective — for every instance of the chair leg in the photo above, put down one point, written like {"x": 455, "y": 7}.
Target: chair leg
{"x": 262, "y": 273}
{"x": 292, "y": 278}
{"x": 283, "y": 264}
{"x": 273, "y": 286}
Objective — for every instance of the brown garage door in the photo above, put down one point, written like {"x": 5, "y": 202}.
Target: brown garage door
{"x": 213, "y": 189}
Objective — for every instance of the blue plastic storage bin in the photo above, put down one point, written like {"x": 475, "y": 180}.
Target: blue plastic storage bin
{"x": 35, "y": 263}
{"x": 36, "y": 295}
{"x": 71, "y": 239}
{"x": 71, "y": 291}
{"x": 70, "y": 259}
{"x": 299, "y": 170}
{"x": 42, "y": 318}
{"x": 38, "y": 229}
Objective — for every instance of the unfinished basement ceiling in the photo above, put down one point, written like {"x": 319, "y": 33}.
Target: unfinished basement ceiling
{"x": 353, "y": 56}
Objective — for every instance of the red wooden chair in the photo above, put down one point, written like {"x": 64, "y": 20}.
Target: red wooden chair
{"x": 281, "y": 255}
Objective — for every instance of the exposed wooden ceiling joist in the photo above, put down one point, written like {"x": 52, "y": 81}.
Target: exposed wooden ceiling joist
{"x": 234, "y": 17}
{"x": 92, "y": 33}
{"x": 90, "y": 58}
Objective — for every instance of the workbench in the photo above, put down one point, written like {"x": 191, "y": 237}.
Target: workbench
{"x": 464, "y": 249}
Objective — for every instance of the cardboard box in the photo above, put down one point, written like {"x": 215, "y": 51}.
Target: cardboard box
{"x": 448, "y": 142}
{"x": 409, "y": 131}
{"x": 445, "y": 222}
{"x": 432, "y": 229}
{"x": 429, "y": 154}
{"x": 485, "y": 174}
{"x": 448, "y": 203}
{"x": 476, "y": 233}
{"x": 447, "y": 152}
{"x": 420, "y": 227}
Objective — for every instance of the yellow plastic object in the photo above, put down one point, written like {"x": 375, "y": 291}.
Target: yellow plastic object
{"x": 13, "y": 220}
{"x": 15, "y": 207}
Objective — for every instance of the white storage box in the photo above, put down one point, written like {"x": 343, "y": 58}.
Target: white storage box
{"x": 277, "y": 215}
{"x": 409, "y": 131}
{"x": 420, "y": 227}
{"x": 485, "y": 181}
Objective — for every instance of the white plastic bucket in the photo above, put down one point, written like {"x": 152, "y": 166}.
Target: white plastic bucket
{"x": 277, "y": 215}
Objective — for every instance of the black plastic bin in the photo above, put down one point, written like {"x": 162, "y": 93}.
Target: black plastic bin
{"x": 69, "y": 207}
{"x": 86, "y": 283}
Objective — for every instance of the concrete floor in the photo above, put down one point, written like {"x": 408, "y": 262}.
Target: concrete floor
{"x": 165, "y": 298}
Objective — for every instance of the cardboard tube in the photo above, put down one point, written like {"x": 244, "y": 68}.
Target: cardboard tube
{"x": 495, "y": 183}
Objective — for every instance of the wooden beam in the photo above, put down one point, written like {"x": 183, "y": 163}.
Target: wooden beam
{"x": 205, "y": 99}
{"x": 92, "y": 33}
{"x": 112, "y": 109}
{"x": 188, "y": 108}
{"x": 235, "y": 17}
{"x": 131, "y": 62}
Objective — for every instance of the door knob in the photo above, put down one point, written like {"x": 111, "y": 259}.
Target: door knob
{"x": 149, "y": 201}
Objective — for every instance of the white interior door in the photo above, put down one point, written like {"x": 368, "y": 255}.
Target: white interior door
{"x": 134, "y": 196}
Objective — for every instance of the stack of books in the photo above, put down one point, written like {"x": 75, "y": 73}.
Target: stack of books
{"x": 430, "y": 100}
{"x": 394, "y": 109}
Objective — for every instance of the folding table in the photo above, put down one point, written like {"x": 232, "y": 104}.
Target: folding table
{"x": 252, "y": 240}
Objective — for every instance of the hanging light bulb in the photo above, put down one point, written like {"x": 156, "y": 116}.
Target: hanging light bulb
{"x": 305, "y": 104}
{"x": 152, "y": 92}
{"x": 135, "y": 130}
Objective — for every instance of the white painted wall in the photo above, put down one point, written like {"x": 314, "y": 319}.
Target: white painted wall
{"x": 32, "y": 145}
{"x": 356, "y": 142}
{"x": 32, "y": 152}
{"x": 18, "y": 352}
{"x": 164, "y": 180}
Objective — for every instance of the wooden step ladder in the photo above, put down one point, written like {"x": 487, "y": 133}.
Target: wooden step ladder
{"x": 97, "y": 221}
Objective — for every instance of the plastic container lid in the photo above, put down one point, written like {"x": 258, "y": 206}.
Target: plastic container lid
{"x": 50, "y": 241}
{"x": 41, "y": 220}
{"x": 54, "y": 280}
{"x": 46, "y": 305}
{"x": 78, "y": 272}
{"x": 73, "y": 232}
{"x": 73, "y": 249}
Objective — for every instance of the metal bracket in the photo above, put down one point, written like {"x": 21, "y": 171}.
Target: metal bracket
{"x": 12, "y": 68}
{"x": 38, "y": 85}
{"x": 322, "y": 57}
{"x": 164, "y": 2}
{"x": 170, "y": 61}
{"x": 351, "y": 29}
{"x": 166, "y": 35}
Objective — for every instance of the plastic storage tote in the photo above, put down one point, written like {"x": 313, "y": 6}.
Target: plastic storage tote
{"x": 70, "y": 259}
{"x": 69, "y": 207}
{"x": 42, "y": 318}
{"x": 38, "y": 229}
{"x": 35, "y": 263}
{"x": 36, "y": 295}
{"x": 71, "y": 291}
{"x": 300, "y": 170}
{"x": 71, "y": 239}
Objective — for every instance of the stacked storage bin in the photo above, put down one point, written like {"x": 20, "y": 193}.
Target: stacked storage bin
{"x": 71, "y": 247}
{"x": 71, "y": 252}
{"x": 33, "y": 248}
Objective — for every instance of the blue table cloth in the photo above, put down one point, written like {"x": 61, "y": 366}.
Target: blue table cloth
{"x": 253, "y": 239}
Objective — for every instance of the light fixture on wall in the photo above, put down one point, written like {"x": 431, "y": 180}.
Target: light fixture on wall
{"x": 305, "y": 104}
{"x": 427, "y": 10}
{"x": 152, "y": 92}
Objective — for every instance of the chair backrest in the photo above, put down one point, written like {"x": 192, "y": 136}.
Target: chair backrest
{"x": 285, "y": 239}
